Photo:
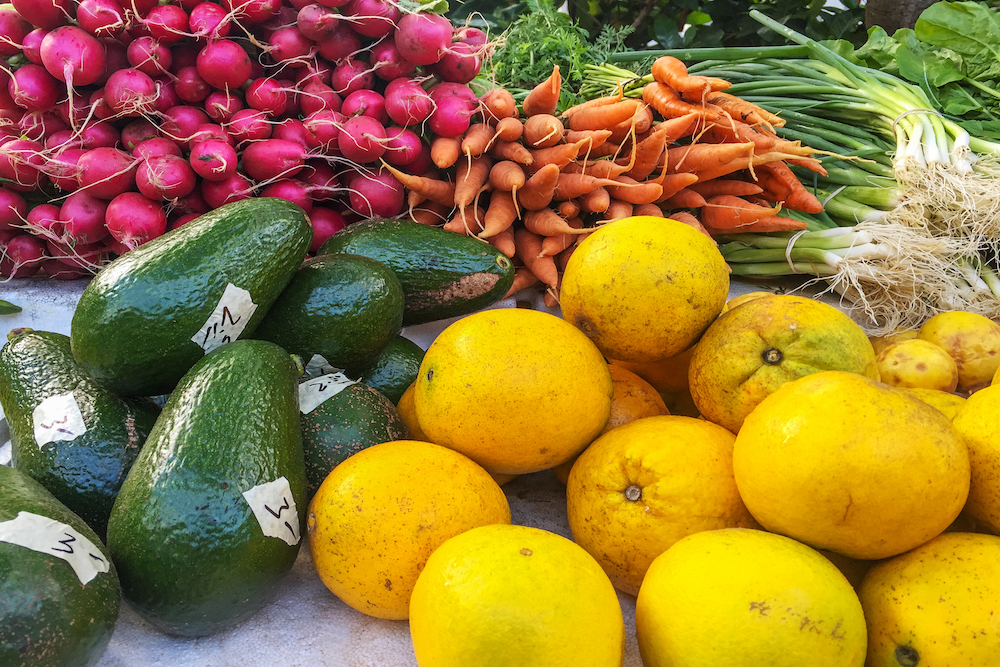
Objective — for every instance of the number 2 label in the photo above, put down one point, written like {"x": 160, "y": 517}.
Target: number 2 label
{"x": 228, "y": 320}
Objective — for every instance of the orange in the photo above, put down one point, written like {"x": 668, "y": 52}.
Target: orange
{"x": 917, "y": 363}
{"x": 972, "y": 340}
{"x": 641, "y": 487}
{"x": 978, "y": 420}
{"x": 851, "y": 465}
{"x": 378, "y": 515}
{"x": 752, "y": 350}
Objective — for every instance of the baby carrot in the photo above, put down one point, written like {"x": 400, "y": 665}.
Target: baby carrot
{"x": 477, "y": 139}
{"x": 704, "y": 157}
{"x": 571, "y": 186}
{"x": 664, "y": 99}
{"x": 497, "y": 105}
{"x": 560, "y": 155}
{"x": 553, "y": 245}
{"x": 683, "y": 198}
{"x": 503, "y": 241}
{"x": 596, "y": 201}
{"x": 673, "y": 72}
{"x": 771, "y": 223}
{"x": 543, "y": 130}
{"x": 529, "y": 249}
{"x": 590, "y": 104}
{"x": 544, "y": 98}
{"x": 604, "y": 117}
{"x": 779, "y": 180}
{"x": 445, "y": 151}
{"x": 647, "y": 154}
{"x": 509, "y": 129}
{"x": 730, "y": 212}
{"x": 618, "y": 209}
{"x": 511, "y": 150}
{"x": 594, "y": 137}
{"x": 540, "y": 188}
{"x": 467, "y": 220}
{"x": 726, "y": 186}
{"x": 640, "y": 122}
{"x": 672, "y": 183}
{"x": 691, "y": 221}
{"x": 634, "y": 192}
{"x": 430, "y": 213}
{"x": 500, "y": 215}
{"x": 470, "y": 178}
{"x": 523, "y": 279}
{"x": 748, "y": 112}
{"x": 441, "y": 192}
{"x": 546, "y": 222}
{"x": 648, "y": 209}
{"x": 507, "y": 176}
{"x": 562, "y": 259}
{"x": 568, "y": 209}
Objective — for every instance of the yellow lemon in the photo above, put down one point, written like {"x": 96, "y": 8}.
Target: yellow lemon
{"x": 740, "y": 299}
{"x": 501, "y": 596}
{"x": 944, "y": 401}
{"x": 917, "y": 363}
{"x": 644, "y": 288}
{"x": 409, "y": 414}
{"x": 938, "y": 604}
{"x": 973, "y": 340}
{"x": 978, "y": 420}
{"x": 641, "y": 487}
{"x": 879, "y": 343}
{"x": 746, "y": 598}
{"x": 377, "y": 517}
{"x": 515, "y": 390}
{"x": 752, "y": 350}
{"x": 851, "y": 465}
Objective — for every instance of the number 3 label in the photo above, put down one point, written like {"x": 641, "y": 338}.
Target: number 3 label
{"x": 228, "y": 320}
{"x": 57, "y": 418}
{"x": 48, "y": 536}
{"x": 274, "y": 507}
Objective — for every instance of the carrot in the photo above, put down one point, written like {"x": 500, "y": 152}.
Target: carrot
{"x": 736, "y": 132}
{"x": 539, "y": 189}
{"x": 730, "y": 212}
{"x": 509, "y": 129}
{"x": 523, "y": 279}
{"x": 470, "y": 178}
{"x": 543, "y": 130}
{"x": 647, "y": 154}
{"x": 571, "y": 186}
{"x": 590, "y": 104}
{"x": 771, "y": 223}
{"x": 598, "y": 168}
{"x": 634, "y": 192}
{"x": 500, "y": 215}
{"x": 596, "y": 201}
{"x": 445, "y": 151}
{"x": 546, "y": 222}
{"x": 808, "y": 163}
{"x": 749, "y": 161}
{"x": 529, "y": 251}
{"x": 665, "y": 100}
{"x": 618, "y": 209}
{"x": 560, "y": 155}
{"x": 550, "y": 298}
{"x": 778, "y": 179}
{"x": 703, "y": 157}
{"x": 604, "y": 117}
{"x": 562, "y": 259}
{"x": 467, "y": 220}
{"x": 413, "y": 199}
{"x": 497, "y": 105}
{"x": 477, "y": 139}
{"x": 683, "y": 198}
{"x": 648, "y": 209}
{"x": 507, "y": 176}
{"x": 748, "y": 112}
{"x": 640, "y": 122}
{"x": 441, "y": 192}
{"x": 673, "y": 72}
{"x": 568, "y": 209}
{"x": 430, "y": 213}
{"x": 595, "y": 137}
{"x": 511, "y": 150}
{"x": 690, "y": 220}
{"x": 503, "y": 241}
{"x": 673, "y": 183}
{"x": 726, "y": 186}
{"x": 544, "y": 98}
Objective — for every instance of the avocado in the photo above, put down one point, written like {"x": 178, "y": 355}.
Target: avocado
{"x": 59, "y": 592}
{"x": 148, "y": 316}
{"x": 209, "y": 518}
{"x": 443, "y": 274}
{"x": 345, "y": 308}
{"x": 70, "y": 434}
{"x": 394, "y": 369}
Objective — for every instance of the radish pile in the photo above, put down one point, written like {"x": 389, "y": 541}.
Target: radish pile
{"x": 120, "y": 122}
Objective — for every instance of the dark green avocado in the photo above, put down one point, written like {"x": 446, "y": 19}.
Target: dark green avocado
{"x": 59, "y": 598}
{"x": 443, "y": 274}
{"x": 394, "y": 369}
{"x": 148, "y": 316}
{"x": 209, "y": 518}
{"x": 73, "y": 436}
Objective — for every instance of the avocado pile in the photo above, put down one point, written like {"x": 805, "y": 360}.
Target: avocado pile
{"x": 271, "y": 368}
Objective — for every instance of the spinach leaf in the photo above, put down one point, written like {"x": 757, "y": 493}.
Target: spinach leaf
{"x": 968, "y": 28}
{"x": 8, "y": 308}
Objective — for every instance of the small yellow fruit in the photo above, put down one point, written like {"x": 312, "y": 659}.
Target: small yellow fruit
{"x": 851, "y": 465}
{"x": 501, "y": 596}
{"x": 515, "y": 390}
{"x": 972, "y": 340}
{"x": 946, "y": 402}
{"x": 917, "y": 363}
{"x": 746, "y": 598}
{"x": 378, "y": 516}
{"x": 409, "y": 414}
{"x": 936, "y": 605}
{"x": 978, "y": 420}
{"x": 641, "y": 487}
{"x": 669, "y": 375}
{"x": 740, "y": 299}
{"x": 879, "y": 343}
{"x": 752, "y": 350}
{"x": 644, "y": 288}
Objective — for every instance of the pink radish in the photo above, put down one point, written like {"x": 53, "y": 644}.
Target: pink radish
{"x": 31, "y": 45}
{"x": 407, "y": 103}
{"x": 13, "y": 209}
{"x": 72, "y": 56}
{"x": 107, "y": 172}
{"x": 194, "y": 204}
{"x": 181, "y": 122}
{"x": 89, "y": 257}
{"x": 137, "y": 132}
{"x": 133, "y": 219}
{"x": 341, "y": 43}
{"x": 316, "y": 70}
{"x": 39, "y": 124}
{"x": 250, "y": 12}
{"x": 365, "y": 103}
{"x": 220, "y": 105}
{"x": 213, "y": 160}
{"x": 166, "y": 96}
{"x": 362, "y": 139}
{"x": 472, "y": 36}
{"x": 149, "y": 56}
{"x": 316, "y": 96}
{"x": 83, "y": 219}
{"x": 130, "y": 93}
{"x": 290, "y": 189}
{"x": 210, "y": 131}
{"x": 190, "y": 85}
{"x": 33, "y": 88}
{"x": 273, "y": 158}
{"x": 155, "y": 146}
{"x": 46, "y": 14}
{"x": 167, "y": 23}
{"x": 224, "y": 64}
{"x": 165, "y": 177}
{"x": 63, "y": 168}
{"x": 376, "y": 195}
{"x": 325, "y": 223}
{"x": 53, "y": 268}
{"x": 373, "y": 18}
{"x": 402, "y": 146}
{"x": 267, "y": 95}
{"x": 423, "y": 38}
{"x": 316, "y": 22}
{"x": 321, "y": 179}
{"x": 14, "y": 29}
{"x": 99, "y": 135}
{"x": 115, "y": 58}
{"x": 351, "y": 75}
{"x": 208, "y": 19}
{"x": 387, "y": 61}
{"x": 295, "y": 130}
{"x": 445, "y": 89}
{"x": 180, "y": 220}
{"x": 99, "y": 107}
{"x": 460, "y": 64}
{"x": 249, "y": 125}
{"x": 234, "y": 188}
{"x": 451, "y": 118}
{"x": 43, "y": 220}
{"x": 288, "y": 45}
{"x": 103, "y": 18}
{"x": 326, "y": 127}
{"x": 23, "y": 256}
{"x": 21, "y": 162}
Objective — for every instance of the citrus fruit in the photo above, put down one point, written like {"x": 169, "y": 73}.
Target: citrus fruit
{"x": 515, "y": 390}
{"x": 973, "y": 341}
{"x": 644, "y": 288}
{"x": 938, "y": 604}
{"x": 378, "y": 515}
{"x": 917, "y": 363}
{"x": 879, "y": 343}
{"x": 641, "y": 487}
{"x": 851, "y": 465}
{"x": 632, "y": 398}
{"x": 746, "y": 598}
{"x": 740, "y": 299}
{"x": 668, "y": 375}
{"x": 514, "y": 595}
{"x": 944, "y": 401}
{"x": 752, "y": 350}
{"x": 409, "y": 413}
{"x": 978, "y": 420}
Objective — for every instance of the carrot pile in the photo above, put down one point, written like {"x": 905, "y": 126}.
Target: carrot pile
{"x": 534, "y": 185}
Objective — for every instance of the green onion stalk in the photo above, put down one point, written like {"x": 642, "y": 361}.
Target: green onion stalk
{"x": 911, "y": 220}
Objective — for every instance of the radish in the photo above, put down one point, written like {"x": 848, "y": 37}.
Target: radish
{"x": 325, "y": 223}
{"x": 362, "y": 139}
{"x": 220, "y": 105}
{"x": 61, "y": 140}
{"x": 472, "y": 36}
{"x": 316, "y": 22}
{"x": 402, "y": 146}
{"x": 99, "y": 135}
{"x": 63, "y": 168}
{"x": 273, "y": 158}
{"x": 133, "y": 219}
{"x": 130, "y": 93}
{"x": 234, "y": 188}
{"x": 326, "y": 126}
{"x": 445, "y": 89}
{"x": 180, "y": 220}
{"x": 423, "y": 38}
{"x": 13, "y": 209}
{"x": 377, "y": 195}
{"x": 31, "y": 45}
{"x": 72, "y": 56}
{"x": 89, "y": 257}
{"x": 83, "y": 219}
{"x": 37, "y": 125}
{"x": 165, "y": 177}
{"x": 115, "y": 58}
{"x": 250, "y": 12}
{"x": 155, "y": 146}
{"x": 208, "y": 19}
{"x": 167, "y": 23}
{"x": 288, "y": 45}
{"x": 248, "y": 125}
{"x": 14, "y": 29}
{"x": 33, "y": 88}
{"x": 365, "y": 103}
{"x": 316, "y": 96}
{"x": 166, "y": 96}
{"x": 341, "y": 43}
{"x": 181, "y": 122}
{"x": 20, "y": 164}
{"x": 194, "y": 204}
{"x": 43, "y": 220}
{"x": 224, "y": 64}
{"x": 295, "y": 130}
{"x": 267, "y": 95}
{"x": 290, "y": 189}
{"x": 373, "y": 18}
{"x": 99, "y": 107}
{"x": 190, "y": 85}
{"x": 103, "y": 18}
{"x": 107, "y": 172}
{"x": 321, "y": 179}
{"x": 351, "y": 75}
{"x": 137, "y": 132}
{"x": 461, "y": 64}
{"x": 316, "y": 70}
{"x": 184, "y": 54}
{"x": 53, "y": 268}
{"x": 213, "y": 160}
{"x": 451, "y": 118}
{"x": 22, "y": 256}
{"x": 407, "y": 103}
{"x": 210, "y": 131}
{"x": 46, "y": 14}
{"x": 387, "y": 61}
{"x": 149, "y": 56}
{"x": 332, "y": 3}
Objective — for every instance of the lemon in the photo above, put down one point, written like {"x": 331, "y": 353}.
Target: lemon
{"x": 978, "y": 420}
{"x": 917, "y": 363}
{"x": 515, "y": 390}
{"x": 500, "y": 596}
{"x": 746, "y": 598}
{"x": 879, "y": 343}
{"x": 973, "y": 340}
{"x": 409, "y": 413}
{"x": 851, "y": 465}
{"x": 740, "y": 299}
{"x": 944, "y": 401}
{"x": 641, "y": 487}
{"x": 644, "y": 288}
{"x": 378, "y": 515}
{"x": 938, "y": 604}
{"x": 752, "y": 350}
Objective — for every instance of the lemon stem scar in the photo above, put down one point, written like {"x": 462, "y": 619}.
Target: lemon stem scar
{"x": 907, "y": 656}
{"x": 772, "y": 356}
{"x": 633, "y": 492}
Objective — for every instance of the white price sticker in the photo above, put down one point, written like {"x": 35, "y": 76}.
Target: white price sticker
{"x": 317, "y": 366}
{"x": 228, "y": 320}
{"x": 313, "y": 392}
{"x": 57, "y": 418}
{"x": 48, "y": 536}
{"x": 274, "y": 507}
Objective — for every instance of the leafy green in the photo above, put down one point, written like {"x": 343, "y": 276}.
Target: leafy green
{"x": 8, "y": 308}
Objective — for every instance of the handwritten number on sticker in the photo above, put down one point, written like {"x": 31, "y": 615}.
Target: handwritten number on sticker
{"x": 66, "y": 543}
